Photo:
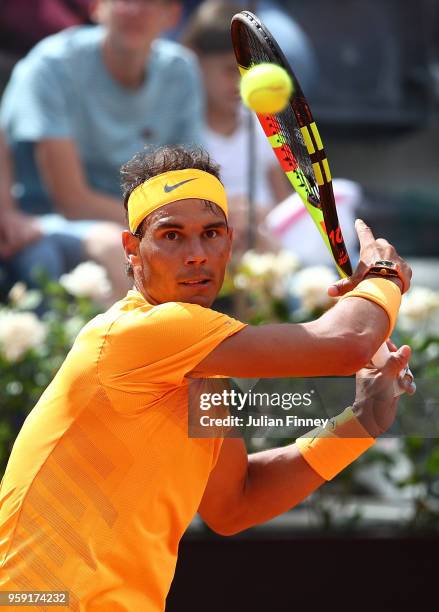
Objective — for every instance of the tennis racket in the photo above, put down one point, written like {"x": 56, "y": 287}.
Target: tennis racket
{"x": 296, "y": 142}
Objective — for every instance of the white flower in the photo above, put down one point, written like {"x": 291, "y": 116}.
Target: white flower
{"x": 258, "y": 264}
{"x": 286, "y": 263}
{"x": 382, "y": 482}
{"x": 241, "y": 281}
{"x": 19, "y": 331}
{"x": 311, "y": 285}
{"x": 23, "y": 298}
{"x": 17, "y": 293}
{"x": 279, "y": 288}
{"x": 87, "y": 280}
{"x": 420, "y": 311}
{"x": 264, "y": 264}
{"x": 266, "y": 272}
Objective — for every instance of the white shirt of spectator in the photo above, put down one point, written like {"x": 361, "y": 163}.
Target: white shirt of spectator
{"x": 292, "y": 227}
{"x": 232, "y": 154}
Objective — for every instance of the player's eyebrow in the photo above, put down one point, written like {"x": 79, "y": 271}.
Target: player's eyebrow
{"x": 174, "y": 225}
{"x": 168, "y": 225}
{"x": 215, "y": 225}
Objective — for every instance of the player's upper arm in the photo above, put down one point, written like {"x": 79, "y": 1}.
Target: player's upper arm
{"x": 225, "y": 487}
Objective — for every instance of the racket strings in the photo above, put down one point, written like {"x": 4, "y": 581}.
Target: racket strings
{"x": 295, "y": 141}
{"x": 287, "y": 125}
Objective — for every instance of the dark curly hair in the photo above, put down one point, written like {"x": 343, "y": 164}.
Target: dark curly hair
{"x": 158, "y": 160}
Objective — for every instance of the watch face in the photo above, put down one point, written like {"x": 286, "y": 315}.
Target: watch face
{"x": 384, "y": 262}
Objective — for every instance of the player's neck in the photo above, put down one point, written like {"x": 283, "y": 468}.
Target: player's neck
{"x": 127, "y": 68}
{"x": 222, "y": 122}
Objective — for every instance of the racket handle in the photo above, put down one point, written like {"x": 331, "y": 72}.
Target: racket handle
{"x": 380, "y": 358}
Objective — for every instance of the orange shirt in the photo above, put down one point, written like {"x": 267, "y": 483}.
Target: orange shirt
{"x": 103, "y": 479}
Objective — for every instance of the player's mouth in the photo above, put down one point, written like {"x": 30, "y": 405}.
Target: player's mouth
{"x": 196, "y": 282}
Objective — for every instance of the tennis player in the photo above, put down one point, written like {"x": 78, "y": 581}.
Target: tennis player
{"x": 103, "y": 478}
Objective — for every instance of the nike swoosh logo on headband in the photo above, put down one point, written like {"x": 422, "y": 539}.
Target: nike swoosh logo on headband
{"x": 167, "y": 188}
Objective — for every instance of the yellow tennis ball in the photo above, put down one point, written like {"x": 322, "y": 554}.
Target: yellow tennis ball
{"x": 266, "y": 88}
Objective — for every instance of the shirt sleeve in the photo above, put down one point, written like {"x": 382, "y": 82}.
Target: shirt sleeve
{"x": 151, "y": 351}
{"x": 35, "y": 104}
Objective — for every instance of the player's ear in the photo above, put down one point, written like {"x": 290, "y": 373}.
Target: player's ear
{"x": 131, "y": 247}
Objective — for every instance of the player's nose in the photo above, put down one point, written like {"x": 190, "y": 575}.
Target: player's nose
{"x": 196, "y": 253}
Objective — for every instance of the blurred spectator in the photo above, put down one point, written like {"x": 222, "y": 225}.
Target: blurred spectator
{"x": 16, "y": 228}
{"x": 24, "y": 23}
{"x": 81, "y": 103}
{"x": 23, "y": 233}
{"x": 292, "y": 227}
{"x": 291, "y": 38}
{"x": 227, "y": 130}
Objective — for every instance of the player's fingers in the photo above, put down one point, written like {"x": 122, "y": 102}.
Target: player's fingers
{"x": 343, "y": 286}
{"x": 365, "y": 234}
{"x": 347, "y": 284}
{"x": 392, "y": 347}
{"x": 407, "y": 382}
{"x": 397, "y": 366}
{"x": 384, "y": 243}
{"x": 407, "y": 274}
{"x": 340, "y": 287}
{"x": 397, "y": 361}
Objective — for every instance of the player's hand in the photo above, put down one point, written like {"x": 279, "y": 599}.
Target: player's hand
{"x": 371, "y": 251}
{"x": 375, "y": 403}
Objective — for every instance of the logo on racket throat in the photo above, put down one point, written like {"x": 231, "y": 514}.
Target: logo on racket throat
{"x": 167, "y": 188}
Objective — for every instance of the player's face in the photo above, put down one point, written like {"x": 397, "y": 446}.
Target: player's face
{"x": 133, "y": 24}
{"x": 221, "y": 81}
{"x": 183, "y": 254}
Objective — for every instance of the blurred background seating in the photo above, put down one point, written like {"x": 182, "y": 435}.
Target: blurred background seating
{"x": 78, "y": 106}
{"x": 24, "y": 23}
{"x": 371, "y": 71}
{"x": 374, "y": 63}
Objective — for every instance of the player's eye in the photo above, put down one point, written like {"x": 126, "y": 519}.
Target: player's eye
{"x": 171, "y": 235}
{"x": 212, "y": 233}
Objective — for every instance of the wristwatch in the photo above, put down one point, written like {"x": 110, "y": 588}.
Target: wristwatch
{"x": 386, "y": 268}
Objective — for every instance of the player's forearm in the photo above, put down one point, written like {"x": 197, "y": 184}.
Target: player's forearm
{"x": 362, "y": 324}
{"x": 277, "y": 480}
{"x": 339, "y": 343}
{"x": 357, "y": 325}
